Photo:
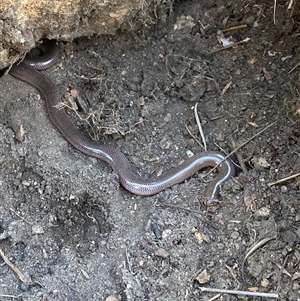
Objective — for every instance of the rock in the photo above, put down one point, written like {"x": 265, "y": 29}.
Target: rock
{"x": 23, "y": 23}
{"x": 112, "y": 298}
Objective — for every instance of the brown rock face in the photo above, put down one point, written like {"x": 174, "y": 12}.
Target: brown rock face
{"x": 24, "y": 22}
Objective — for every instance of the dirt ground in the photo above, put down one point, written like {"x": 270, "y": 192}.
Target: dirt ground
{"x": 76, "y": 234}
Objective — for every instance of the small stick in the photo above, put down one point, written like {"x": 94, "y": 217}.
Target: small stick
{"x": 227, "y": 86}
{"x": 284, "y": 271}
{"x": 232, "y": 272}
{"x": 21, "y": 276}
{"x": 218, "y": 146}
{"x": 238, "y": 155}
{"x": 234, "y": 292}
{"x": 202, "y": 28}
{"x": 235, "y": 27}
{"x": 240, "y": 146}
{"x": 294, "y": 68}
{"x": 290, "y": 4}
{"x": 274, "y": 12}
{"x": 217, "y": 296}
{"x": 281, "y": 271}
{"x": 284, "y": 179}
{"x": 231, "y": 45}
{"x": 22, "y": 218}
{"x": 193, "y": 136}
{"x": 128, "y": 263}
{"x": 216, "y": 117}
{"x": 11, "y": 296}
{"x": 199, "y": 126}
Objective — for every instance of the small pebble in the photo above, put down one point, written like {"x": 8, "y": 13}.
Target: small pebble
{"x": 168, "y": 117}
{"x": 164, "y": 143}
{"x": 37, "y": 229}
{"x": 265, "y": 282}
{"x": 166, "y": 233}
{"x": 26, "y": 183}
{"x": 283, "y": 188}
{"x": 262, "y": 213}
{"x": 112, "y": 298}
{"x": 199, "y": 237}
{"x": 203, "y": 277}
{"x": 189, "y": 153}
{"x": 234, "y": 235}
{"x": 221, "y": 246}
{"x": 161, "y": 253}
{"x": 24, "y": 287}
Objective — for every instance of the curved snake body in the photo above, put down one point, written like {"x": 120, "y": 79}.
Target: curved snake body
{"x": 28, "y": 71}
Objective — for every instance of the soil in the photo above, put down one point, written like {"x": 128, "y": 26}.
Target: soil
{"x": 76, "y": 234}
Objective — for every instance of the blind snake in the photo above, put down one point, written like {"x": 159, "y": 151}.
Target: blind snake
{"x": 27, "y": 71}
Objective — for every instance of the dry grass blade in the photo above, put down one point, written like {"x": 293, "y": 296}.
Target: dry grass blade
{"x": 252, "y": 250}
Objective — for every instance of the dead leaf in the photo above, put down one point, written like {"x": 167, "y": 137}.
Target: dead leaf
{"x": 269, "y": 75}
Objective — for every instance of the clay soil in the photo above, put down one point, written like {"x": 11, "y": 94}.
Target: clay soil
{"x": 76, "y": 234}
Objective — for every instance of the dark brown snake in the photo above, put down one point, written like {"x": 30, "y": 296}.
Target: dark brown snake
{"x": 27, "y": 71}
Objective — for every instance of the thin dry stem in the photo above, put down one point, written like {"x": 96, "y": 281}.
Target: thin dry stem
{"x": 284, "y": 179}
{"x": 200, "y": 126}
{"x": 240, "y": 146}
{"x": 243, "y": 293}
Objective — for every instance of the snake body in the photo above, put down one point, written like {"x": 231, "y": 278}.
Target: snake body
{"x": 27, "y": 71}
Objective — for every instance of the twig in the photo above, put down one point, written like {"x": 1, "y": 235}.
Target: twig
{"x": 21, "y": 276}
{"x": 235, "y": 27}
{"x": 11, "y": 296}
{"x": 234, "y": 292}
{"x": 284, "y": 179}
{"x": 284, "y": 271}
{"x": 281, "y": 272}
{"x": 202, "y": 28}
{"x": 238, "y": 155}
{"x": 232, "y": 273}
{"x": 230, "y": 46}
{"x": 216, "y": 117}
{"x": 217, "y": 296}
{"x": 199, "y": 126}
{"x": 227, "y": 86}
{"x": 290, "y": 4}
{"x": 252, "y": 250}
{"x": 294, "y": 68}
{"x": 274, "y": 12}
{"x": 224, "y": 151}
{"x": 128, "y": 263}
{"x": 239, "y": 147}
{"x": 22, "y": 218}
{"x": 194, "y": 137}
